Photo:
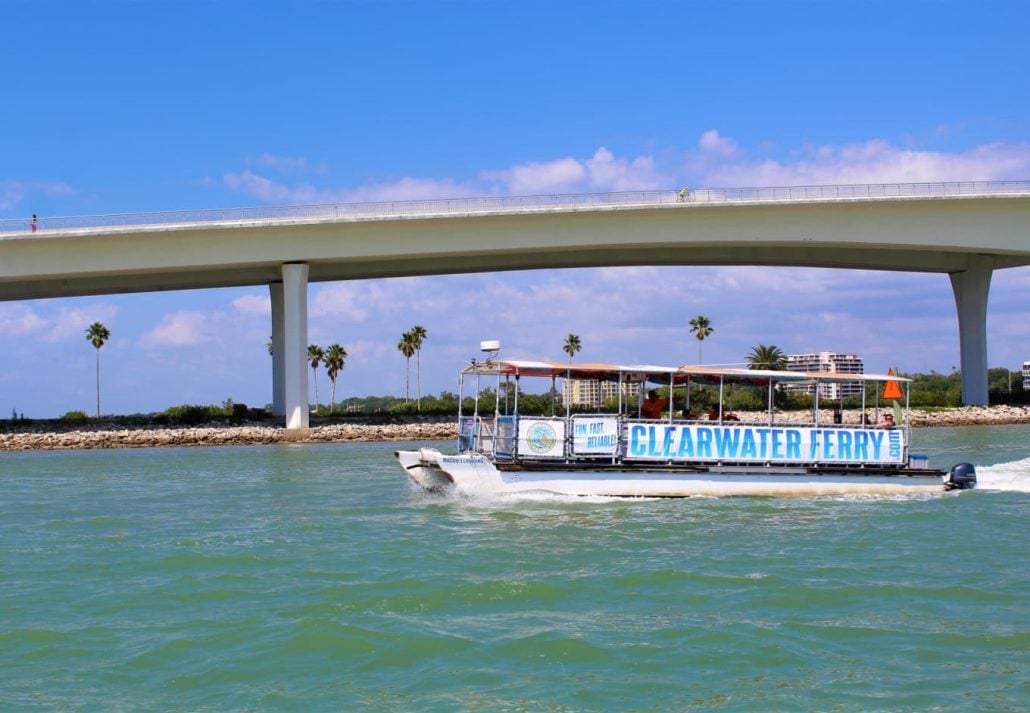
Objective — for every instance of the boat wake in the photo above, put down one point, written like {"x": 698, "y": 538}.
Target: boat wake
{"x": 490, "y": 499}
{"x": 1011, "y": 477}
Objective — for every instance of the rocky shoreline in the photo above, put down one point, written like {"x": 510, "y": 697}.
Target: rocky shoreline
{"x": 49, "y": 437}
{"x": 53, "y": 435}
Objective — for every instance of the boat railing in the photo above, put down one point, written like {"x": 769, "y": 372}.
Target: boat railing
{"x": 476, "y": 433}
{"x": 504, "y": 437}
{"x": 614, "y": 438}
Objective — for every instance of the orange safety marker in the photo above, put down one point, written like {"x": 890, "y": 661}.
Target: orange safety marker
{"x": 892, "y": 389}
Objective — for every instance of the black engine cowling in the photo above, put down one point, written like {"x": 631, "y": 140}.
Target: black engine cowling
{"x": 962, "y": 476}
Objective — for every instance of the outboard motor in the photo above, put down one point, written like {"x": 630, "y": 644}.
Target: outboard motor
{"x": 962, "y": 476}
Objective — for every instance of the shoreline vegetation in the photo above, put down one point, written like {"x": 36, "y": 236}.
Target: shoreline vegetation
{"x": 116, "y": 433}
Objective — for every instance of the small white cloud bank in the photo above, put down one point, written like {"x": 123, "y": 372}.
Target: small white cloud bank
{"x": 711, "y": 142}
{"x": 717, "y": 161}
{"x": 720, "y": 163}
{"x": 179, "y": 329}
{"x": 13, "y": 193}
{"x": 19, "y": 319}
{"x": 286, "y": 164}
{"x": 601, "y": 172}
{"x": 253, "y": 305}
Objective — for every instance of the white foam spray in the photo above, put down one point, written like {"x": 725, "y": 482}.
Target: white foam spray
{"x": 1010, "y": 477}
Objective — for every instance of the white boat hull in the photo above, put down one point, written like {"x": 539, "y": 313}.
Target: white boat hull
{"x": 475, "y": 473}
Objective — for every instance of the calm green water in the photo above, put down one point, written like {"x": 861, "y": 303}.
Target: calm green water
{"x": 315, "y": 578}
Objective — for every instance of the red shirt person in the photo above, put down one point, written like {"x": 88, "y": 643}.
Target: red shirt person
{"x": 652, "y": 405}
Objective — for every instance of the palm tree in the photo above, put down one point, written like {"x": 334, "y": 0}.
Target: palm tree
{"x": 701, "y": 328}
{"x": 767, "y": 356}
{"x": 572, "y": 345}
{"x": 418, "y": 335}
{"x": 97, "y": 333}
{"x": 335, "y": 356}
{"x": 315, "y": 356}
{"x": 407, "y": 347}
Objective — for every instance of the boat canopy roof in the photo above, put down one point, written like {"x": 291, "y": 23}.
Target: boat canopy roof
{"x": 638, "y": 373}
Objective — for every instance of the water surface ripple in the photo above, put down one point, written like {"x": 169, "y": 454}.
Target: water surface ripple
{"x": 299, "y": 578}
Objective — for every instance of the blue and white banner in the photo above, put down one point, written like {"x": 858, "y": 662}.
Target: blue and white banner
{"x": 772, "y": 444}
{"x": 595, "y": 435}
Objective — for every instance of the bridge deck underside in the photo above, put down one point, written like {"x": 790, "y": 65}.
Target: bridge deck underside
{"x": 244, "y": 274}
{"x": 920, "y": 236}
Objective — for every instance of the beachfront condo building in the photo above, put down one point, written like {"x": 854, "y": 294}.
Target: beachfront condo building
{"x": 592, "y": 393}
{"x": 830, "y": 362}
{"x": 1026, "y": 376}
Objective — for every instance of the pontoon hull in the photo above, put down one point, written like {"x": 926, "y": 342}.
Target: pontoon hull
{"x": 474, "y": 473}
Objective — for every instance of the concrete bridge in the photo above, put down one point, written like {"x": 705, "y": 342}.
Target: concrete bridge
{"x": 966, "y": 230}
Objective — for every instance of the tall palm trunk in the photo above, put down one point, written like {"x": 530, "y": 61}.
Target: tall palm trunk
{"x": 98, "y": 382}
{"x": 418, "y": 379}
{"x": 314, "y": 377}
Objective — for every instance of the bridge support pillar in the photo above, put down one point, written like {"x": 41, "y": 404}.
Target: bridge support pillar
{"x": 971, "y": 287}
{"x": 295, "y": 339}
{"x": 275, "y": 292}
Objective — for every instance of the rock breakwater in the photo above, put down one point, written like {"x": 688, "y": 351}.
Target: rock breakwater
{"x": 60, "y": 436}
{"x": 48, "y": 437}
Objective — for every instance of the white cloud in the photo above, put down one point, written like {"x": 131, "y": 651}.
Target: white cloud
{"x": 348, "y": 300}
{"x": 874, "y": 161}
{"x": 265, "y": 189}
{"x": 18, "y": 319}
{"x": 717, "y": 161}
{"x": 601, "y": 172}
{"x": 269, "y": 191}
{"x": 608, "y": 173}
{"x": 253, "y": 304}
{"x": 712, "y": 142}
{"x": 13, "y": 193}
{"x": 410, "y": 189}
{"x": 561, "y": 175}
{"x": 282, "y": 163}
{"x": 179, "y": 329}
{"x": 72, "y": 322}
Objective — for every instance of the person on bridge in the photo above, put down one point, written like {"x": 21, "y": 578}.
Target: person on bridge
{"x": 34, "y": 220}
{"x": 683, "y": 194}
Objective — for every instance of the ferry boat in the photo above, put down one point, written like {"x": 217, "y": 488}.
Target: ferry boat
{"x": 638, "y": 450}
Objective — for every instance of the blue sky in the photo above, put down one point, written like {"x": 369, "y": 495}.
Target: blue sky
{"x": 115, "y": 107}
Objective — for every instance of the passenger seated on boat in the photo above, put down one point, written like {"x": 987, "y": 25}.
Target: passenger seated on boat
{"x": 652, "y": 406}
{"x": 888, "y": 421}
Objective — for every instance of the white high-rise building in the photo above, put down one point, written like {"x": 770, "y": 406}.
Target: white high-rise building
{"x": 1026, "y": 376}
{"x": 593, "y": 393}
{"x": 830, "y": 362}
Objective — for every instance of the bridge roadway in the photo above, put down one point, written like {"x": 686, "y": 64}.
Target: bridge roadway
{"x": 966, "y": 230}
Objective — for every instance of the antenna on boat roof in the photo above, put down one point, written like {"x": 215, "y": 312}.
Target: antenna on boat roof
{"x": 490, "y": 347}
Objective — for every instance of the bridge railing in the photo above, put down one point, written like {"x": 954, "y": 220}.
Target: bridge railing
{"x": 515, "y": 204}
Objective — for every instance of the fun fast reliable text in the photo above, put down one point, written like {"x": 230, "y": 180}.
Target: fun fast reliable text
{"x": 764, "y": 444}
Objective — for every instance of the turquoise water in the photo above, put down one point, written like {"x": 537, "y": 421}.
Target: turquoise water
{"x": 315, "y": 577}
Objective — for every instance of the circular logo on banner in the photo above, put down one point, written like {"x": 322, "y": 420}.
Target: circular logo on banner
{"x": 541, "y": 438}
